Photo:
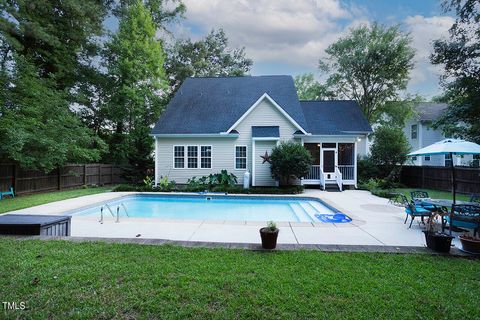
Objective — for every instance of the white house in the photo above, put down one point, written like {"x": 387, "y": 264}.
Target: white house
{"x": 233, "y": 123}
{"x": 419, "y": 133}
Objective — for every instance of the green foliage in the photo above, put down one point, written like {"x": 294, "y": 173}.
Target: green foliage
{"x": 310, "y": 89}
{"x": 390, "y": 147}
{"x": 52, "y": 35}
{"x": 27, "y": 201}
{"x": 208, "y": 57}
{"x": 37, "y": 129}
{"x": 272, "y": 226}
{"x": 148, "y": 182}
{"x": 135, "y": 64}
{"x": 290, "y": 160}
{"x": 370, "y": 65}
{"x": 163, "y": 12}
{"x": 459, "y": 57}
{"x": 193, "y": 185}
{"x": 377, "y": 184}
{"x": 367, "y": 170}
{"x": 173, "y": 282}
{"x": 222, "y": 179}
{"x": 46, "y": 47}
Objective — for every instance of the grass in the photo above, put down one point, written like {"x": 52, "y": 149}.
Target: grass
{"x": 22, "y": 202}
{"x": 66, "y": 280}
{"x": 434, "y": 194}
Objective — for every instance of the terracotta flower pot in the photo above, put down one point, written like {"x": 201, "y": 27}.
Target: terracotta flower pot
{"x": 470, "y": 244}
{"x": 439, "y": 242}
{"x": 269, "y": 238}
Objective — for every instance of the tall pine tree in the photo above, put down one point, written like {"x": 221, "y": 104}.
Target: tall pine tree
{"x": 135, "y": 63}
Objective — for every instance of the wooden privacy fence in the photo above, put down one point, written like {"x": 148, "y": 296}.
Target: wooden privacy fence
{"x": 70, "y": 176}
{"x": 440, "y": 178}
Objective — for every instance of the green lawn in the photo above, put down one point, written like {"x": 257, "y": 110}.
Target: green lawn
{"x": 66, "y": 280}
{"x": 21, "y": 202}
{"x": 434, "y": 194}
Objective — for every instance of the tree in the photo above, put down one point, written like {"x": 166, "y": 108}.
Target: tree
{"x": 290, "y": 160}
{"x": 460, "y": 56}
{"x": 370, "y": 65}
{"x": 389, "y": 149}
{"x": 37, "y": 129}
{"x": 44, "y": 45}
{"x": 162, "y": 12}
{"x": 52, "y": 35}
{"x": 210, "y": 57}
{"x": 135, "y": 64}
{"x": 310, "y": 89}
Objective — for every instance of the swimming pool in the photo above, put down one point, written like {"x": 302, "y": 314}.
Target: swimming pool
{"x": 215, "y": 208}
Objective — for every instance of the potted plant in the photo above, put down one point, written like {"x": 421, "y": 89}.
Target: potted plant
{"x": 269, "y": 235}
{"x": 470, "y": 244}
{"x": 436, "y": 240}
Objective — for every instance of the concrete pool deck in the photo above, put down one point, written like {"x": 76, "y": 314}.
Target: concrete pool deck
{"x": 375, "y": 222}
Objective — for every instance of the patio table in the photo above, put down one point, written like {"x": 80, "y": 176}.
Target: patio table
{"x": 442, "y": 203}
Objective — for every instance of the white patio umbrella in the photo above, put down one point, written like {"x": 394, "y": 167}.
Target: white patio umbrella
{"x": 451, "y": 147}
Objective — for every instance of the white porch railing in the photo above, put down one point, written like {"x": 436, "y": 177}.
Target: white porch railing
{"x": 347, "y": 171}
{"x": 338, "y": 178}
{"x": 322, "y": 179}
{"x": 314, "y": 173}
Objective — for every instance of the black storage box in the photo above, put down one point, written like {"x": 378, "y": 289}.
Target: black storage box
{"x": 44, "y": 225}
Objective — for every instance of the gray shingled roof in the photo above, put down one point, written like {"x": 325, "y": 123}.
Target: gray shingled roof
{"x": 430, "y": 111}
{"x": 265, "y": 132}
{"x": 334, "y": 117}
{"x": 213, "y": 105}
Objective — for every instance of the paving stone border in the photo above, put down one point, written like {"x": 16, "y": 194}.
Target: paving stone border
{"x": 454, "y": 252}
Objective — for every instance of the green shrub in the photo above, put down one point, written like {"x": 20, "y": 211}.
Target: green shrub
{"x": 125, "y": 188}
{"x": 290, "y": 160}
{"x": 367, "y": 170}
{"x": 382, "y": 193}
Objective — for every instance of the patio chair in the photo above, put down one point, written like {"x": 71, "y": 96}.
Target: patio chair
{"x": 465, "y": 216}
{"x": 414, "y": 211}
{"x": 475, "y": 198}
{"x": 7, "y": 193}
{"x": 395, "y": 199}
{"x": 418, "y": 195}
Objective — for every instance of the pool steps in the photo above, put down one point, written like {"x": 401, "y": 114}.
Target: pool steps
{"x": 300, "y": 212}
{"x": 320, "y": 208}
{"x": 309, "y": 209}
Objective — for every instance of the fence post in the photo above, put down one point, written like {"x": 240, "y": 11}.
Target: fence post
{"x": 99, "y": 174}
{"x": 14, "y": 177}
{"x": 423, "y": 178}
{"x": 84, "y": 174}
{"x": 59, "y": 178}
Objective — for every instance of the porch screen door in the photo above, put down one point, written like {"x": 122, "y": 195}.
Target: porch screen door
{"x": 328, "y": 161}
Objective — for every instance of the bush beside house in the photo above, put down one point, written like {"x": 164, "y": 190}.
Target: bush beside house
{"x": 290, "y": 161}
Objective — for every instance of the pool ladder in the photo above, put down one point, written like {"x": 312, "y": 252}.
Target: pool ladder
{"x": 117, "y": 216}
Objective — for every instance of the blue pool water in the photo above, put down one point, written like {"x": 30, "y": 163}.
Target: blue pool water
{"x": 217, "y": 208}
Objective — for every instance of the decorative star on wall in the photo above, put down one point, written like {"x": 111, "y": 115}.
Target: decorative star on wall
{"x": 266, "y": 158}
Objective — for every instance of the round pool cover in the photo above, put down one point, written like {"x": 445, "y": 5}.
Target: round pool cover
{"x": 334, "y": 218}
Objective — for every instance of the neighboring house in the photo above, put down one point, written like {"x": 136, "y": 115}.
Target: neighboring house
{"x": 233, "y": 123}
{"x": 419, "y": 133}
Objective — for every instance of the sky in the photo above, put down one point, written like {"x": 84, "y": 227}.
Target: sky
{"x": 290, "y": 36}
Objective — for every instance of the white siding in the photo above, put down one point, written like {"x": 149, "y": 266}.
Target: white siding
{"x": 223, "y": 149}
{"x": 263, "y": 175}
{"x": 427, "y": 136}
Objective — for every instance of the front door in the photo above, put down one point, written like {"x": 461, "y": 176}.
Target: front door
{"x": 329, "y": 163}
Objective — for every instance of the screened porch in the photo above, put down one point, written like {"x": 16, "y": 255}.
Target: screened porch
{"x": 332, "y": 163}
